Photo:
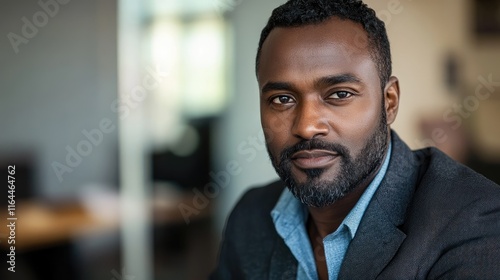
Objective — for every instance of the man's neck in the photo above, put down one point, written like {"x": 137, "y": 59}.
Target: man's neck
{"x": 325, "y": 220}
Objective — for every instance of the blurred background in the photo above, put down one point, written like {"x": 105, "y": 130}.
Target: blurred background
{"x": 134, "y": 125}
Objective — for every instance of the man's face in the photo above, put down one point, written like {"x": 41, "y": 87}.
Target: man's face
{"x": 322, "y": 109}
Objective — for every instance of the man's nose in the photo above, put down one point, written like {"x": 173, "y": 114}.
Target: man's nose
{"x": 310, "y": 121}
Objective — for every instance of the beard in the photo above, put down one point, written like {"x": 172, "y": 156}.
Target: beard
{"x": 353, "y": 170}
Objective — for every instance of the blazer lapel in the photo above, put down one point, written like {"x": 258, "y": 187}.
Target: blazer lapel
{"x": 374, "y": 245}
{"x": 283, "y": 264}
{"x": 378, "y": 236}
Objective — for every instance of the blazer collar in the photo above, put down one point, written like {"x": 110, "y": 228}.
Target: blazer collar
{"x": 378, "y": 237}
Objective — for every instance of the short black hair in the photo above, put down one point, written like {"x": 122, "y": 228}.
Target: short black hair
{"x": 296, "y": 13}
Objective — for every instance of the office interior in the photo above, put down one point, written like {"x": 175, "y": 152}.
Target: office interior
{"x": 134, "y": 125}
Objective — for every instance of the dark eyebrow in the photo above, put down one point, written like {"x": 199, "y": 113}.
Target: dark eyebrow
{"x": 338, "y": 79}
{"x": 276, "y": 86}
{"x": 324, "y": 81}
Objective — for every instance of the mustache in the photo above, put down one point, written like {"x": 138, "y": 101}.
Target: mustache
{"x": 313, "y": 144}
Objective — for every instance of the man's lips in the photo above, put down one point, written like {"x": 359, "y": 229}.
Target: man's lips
{"x": 309, "y": 159}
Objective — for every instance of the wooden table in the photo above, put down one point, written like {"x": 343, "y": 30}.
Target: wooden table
{"x": 41, "y": 224}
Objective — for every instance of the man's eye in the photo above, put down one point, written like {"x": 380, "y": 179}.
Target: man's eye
{"x": 283, "y": 99}
{"x": 340, "y": 95}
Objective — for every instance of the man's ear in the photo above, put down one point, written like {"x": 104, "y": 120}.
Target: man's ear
{"x": 391, "y": 94}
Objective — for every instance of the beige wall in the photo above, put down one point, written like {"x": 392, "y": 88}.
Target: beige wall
{"x": 422, "y": 33}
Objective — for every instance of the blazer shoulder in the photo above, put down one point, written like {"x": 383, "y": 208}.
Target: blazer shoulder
{"x": 448, "y": 176}
{"x": 470, "y": 192}
{"x": 249, "y": 235}
{"x": 448, "y": 192}
{"x": 455, "y": 221}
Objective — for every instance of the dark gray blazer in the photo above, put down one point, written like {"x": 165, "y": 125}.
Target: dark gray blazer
{"x": 431, "y": 218}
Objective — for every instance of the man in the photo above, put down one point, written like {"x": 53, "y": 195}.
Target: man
{"x": 354, "y": 201}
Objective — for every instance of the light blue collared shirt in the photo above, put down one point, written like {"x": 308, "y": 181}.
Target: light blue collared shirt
{"x": 290, "y": 216}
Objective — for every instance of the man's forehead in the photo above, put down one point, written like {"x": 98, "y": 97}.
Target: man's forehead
{"x": 333, "y": 28}
{"x": 335, "y": 42}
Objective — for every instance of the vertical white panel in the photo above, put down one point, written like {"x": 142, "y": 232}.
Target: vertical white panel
{"x": 136, "y": 217}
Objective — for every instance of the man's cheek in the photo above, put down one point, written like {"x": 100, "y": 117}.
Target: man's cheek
{"x": 269, "y": 135}
{"x": 276, "y": 124}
